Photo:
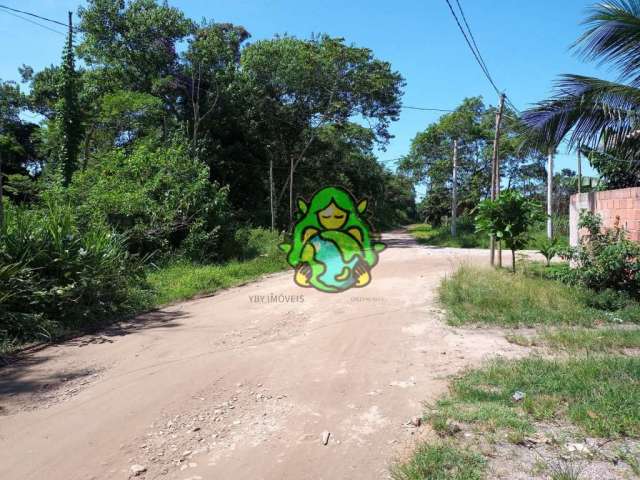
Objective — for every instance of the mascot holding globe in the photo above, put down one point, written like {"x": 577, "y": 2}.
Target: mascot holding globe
{"x": 332, "y": 249}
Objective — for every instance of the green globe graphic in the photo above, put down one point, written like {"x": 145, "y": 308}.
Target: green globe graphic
{"x": 334, "y": 256}
{"x": 332, "y": 249}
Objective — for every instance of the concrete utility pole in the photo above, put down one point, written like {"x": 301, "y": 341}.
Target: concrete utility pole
{"x": 454, "y": 191}
{"x": 495, "y": 169}
{"x": 579, "y": 172}
{"x": 550, "y": 194}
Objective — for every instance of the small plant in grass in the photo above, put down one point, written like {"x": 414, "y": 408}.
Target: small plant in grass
{"x": 631, "y": 459}
{"x": 441, "y": 461}
{"x": 508, "y": 218}
{"x": 566, "y": 470}
{"x": 548, "y": 248}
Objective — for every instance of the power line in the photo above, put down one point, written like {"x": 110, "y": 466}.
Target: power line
{"x": 33, "y": 21}
{"x": 473, "y": 40}
{"x": 473, "y": 51}
{"x": 34, "y": 15}
{"x": 473, "y": 46}
{"x": 407, "y": 107}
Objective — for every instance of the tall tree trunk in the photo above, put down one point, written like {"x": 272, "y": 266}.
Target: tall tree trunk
{"x": 291, "y": 195}
{"x": 273, "y": 213}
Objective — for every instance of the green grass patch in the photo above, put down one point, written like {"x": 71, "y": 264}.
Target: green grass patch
{"x": 441, "y": 461}
{"x": 467, "y": 237}
{"x": 441, "y": 236}
{"x": 486, "y": 296}
{"x": 184, "y": 280}
{"x": 600, "y": 394}
{"x": 594, "y": 340}
{"x": 486, "y": 415}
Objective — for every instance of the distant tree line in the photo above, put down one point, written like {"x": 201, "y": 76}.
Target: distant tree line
{"x": 522, "y": 165}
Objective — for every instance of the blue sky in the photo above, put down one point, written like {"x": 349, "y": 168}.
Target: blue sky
{"x": 524, "y": 43}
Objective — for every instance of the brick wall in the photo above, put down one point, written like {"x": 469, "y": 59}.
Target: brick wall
{"x": 610, "y": 204}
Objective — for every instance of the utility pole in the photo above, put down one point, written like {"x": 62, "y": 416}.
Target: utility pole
{"x": 550, "y": 193}
{"x": 454, "y": 191}
{"x": 579, "y": 172}
{"x": 495, "y": 169}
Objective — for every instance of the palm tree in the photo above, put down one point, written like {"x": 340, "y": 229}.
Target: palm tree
{"x": 589, "y": 112}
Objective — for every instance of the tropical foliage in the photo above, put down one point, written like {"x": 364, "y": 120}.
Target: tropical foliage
{"x": 605, "y": 259}
{"x": 508, "y": 218}
{"x": 160, "y": 140}
{"x": 600, "y": 116}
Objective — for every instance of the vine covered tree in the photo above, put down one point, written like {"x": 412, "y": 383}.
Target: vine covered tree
{"x": 68, "y": 111}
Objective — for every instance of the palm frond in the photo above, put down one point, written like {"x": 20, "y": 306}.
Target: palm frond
{"x": 591, "y": 112}
{"x": 613, "y": 37}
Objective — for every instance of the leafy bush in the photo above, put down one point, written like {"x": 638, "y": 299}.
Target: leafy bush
{"x": 160, "y": 198}
{"x": 605, "y": 259}
{"x": 254, "y": 242}
{"x": 509, "y": 218}
{"x": 53, "y": 278}
{"x": 608, "y": 299}
{"x": 556, "y": 271}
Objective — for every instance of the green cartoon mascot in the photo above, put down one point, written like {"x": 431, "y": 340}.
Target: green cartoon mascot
{"x": 332, "y": 249}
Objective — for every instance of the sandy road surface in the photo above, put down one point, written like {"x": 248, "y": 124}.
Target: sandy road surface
{"x": 237, "y": 387}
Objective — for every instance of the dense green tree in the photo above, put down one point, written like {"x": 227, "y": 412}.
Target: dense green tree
{"x": 303, "y": 85}
{"x": 135, "y": 41}
{"x": 18, "y": 157}
{"x": 159, "y": 197}
{"x": 616, "y": 171}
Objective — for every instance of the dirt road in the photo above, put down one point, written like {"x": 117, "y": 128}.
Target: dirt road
{"x": 243, "y": 384}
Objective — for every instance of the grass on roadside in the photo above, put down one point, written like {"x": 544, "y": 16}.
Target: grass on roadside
{"x": 598, "y": 393}
{"x": 593, "y": 340}
{"x": 184, "y": 280}
{"x": 475, "y": 295}
{"x": 467, "y": 237}
{"x": 441, "y": 236}
{"x": 441, "y": 461}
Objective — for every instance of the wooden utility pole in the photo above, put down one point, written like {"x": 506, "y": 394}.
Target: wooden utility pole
{"x": 550, "y": 194}
{"x": 454, "y": 191}
{"x": 495, "y": 169}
